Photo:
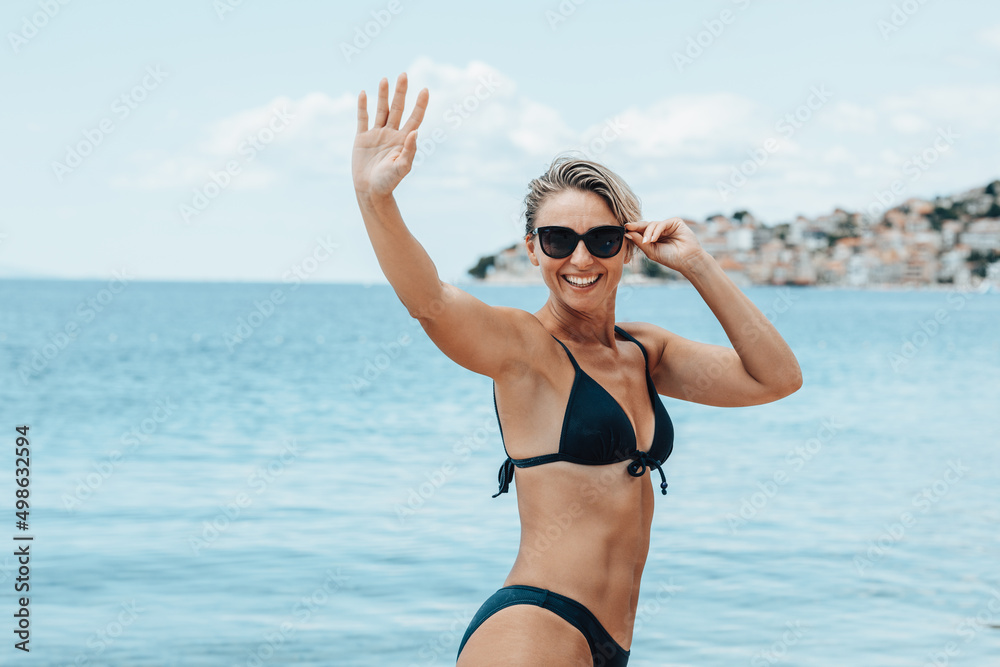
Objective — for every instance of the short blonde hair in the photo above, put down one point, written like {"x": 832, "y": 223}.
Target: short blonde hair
{"x": 572, "y": 173}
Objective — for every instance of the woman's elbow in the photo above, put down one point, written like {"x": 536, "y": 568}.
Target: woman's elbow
{"x": 792, "y": 383}
{"x": 778, "y": 388}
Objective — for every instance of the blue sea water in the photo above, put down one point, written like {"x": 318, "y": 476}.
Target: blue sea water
{"x": 249, "y": 474}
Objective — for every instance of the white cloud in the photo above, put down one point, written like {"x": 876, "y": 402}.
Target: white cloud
{"x": 909, "y": 123}
{"x": 889, "y": 156}
{"x": 690, "y": 126}
{"x": 867, "y": 172}
{"x": 850, "y": 117}
{"x": 482, "y": 139}
{"x": 962, "y": 60}
{"x": 969, "y": 107}
{"x": 990, "y": 36}
{"x": 538, "y": 130}
{"x": 809, "y": 177}
{"x": 838, "y": 155}
{"x": 309, "y": 131}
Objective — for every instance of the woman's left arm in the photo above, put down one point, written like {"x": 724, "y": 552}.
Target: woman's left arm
{"x": 759, "y": 368}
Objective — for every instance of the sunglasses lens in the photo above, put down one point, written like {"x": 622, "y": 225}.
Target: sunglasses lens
{"x": 557, "y": 243}
{"x": 605, "y": 242}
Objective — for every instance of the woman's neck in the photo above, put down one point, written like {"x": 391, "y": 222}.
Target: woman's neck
{"x": 578, "y": 326}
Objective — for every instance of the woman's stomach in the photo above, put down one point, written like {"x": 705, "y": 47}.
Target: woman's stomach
{"x": 585, "y": 534}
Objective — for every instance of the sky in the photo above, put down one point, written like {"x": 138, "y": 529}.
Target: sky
{"x": 211, "y": 139}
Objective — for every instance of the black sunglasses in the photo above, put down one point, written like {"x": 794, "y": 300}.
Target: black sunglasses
{"x": 559, "y": 242}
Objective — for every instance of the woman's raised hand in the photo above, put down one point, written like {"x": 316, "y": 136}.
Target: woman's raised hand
{"x": 383, "y": 155}
{"x": 668, "y": 242}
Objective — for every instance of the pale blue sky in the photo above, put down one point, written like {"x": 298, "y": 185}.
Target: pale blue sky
{"x": 676, "y": 132}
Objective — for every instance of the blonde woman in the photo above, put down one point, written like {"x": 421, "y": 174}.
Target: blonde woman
{"x": 575, "y": 393}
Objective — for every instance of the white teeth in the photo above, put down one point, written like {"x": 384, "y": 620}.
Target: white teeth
{"x": 580, "y": 282}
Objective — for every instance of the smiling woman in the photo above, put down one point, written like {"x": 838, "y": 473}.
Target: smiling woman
{"x": 574, "y": 392}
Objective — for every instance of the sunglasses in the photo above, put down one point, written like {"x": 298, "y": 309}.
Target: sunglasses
{"x": 559, "y": 242}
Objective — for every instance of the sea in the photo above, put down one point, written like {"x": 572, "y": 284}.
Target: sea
{"x": 242, "y": 474}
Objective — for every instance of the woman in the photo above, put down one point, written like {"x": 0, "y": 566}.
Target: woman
{"x": 576, "y": 395}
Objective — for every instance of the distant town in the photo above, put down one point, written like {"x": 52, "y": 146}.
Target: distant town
{"x": 950, "y": 241}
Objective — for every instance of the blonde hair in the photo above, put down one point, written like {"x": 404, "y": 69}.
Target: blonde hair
{"x": 572, "y": 173}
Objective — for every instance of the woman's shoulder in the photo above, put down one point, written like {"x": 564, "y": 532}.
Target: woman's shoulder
{"x": 641, "y": 330}
{"x": 538, "y": 344}
{"x": 529, "y": 328}
{"x": 653, "y": 338}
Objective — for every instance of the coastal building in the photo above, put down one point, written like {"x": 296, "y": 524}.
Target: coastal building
{"x": 953, "y": 240}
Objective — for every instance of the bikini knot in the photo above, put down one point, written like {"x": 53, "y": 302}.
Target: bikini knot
{"x": 504, "y": 476}
{"x": 640, "y": 462}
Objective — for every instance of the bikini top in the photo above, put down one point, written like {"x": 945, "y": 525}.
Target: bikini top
{"x": 596, "y": 430}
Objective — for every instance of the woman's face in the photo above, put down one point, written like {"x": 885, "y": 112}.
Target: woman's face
{"x": 580, "y": 211}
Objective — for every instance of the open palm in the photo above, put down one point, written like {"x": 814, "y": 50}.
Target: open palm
{"x": 384, "y": 154}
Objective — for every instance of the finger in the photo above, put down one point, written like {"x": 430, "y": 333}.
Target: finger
{"x": 409, "y": 151}
{"x": 636, "y": 226}
{"x": 652, "y": 232}
{"x": 413, "y": 122}
{"x": 398, "y": 102}
{"x": 674, "y": 227}
{"x": 666, "y": 229}
{"x": 362, "y": 112}
{"x": 382, "y": 108}
{"x": 640, "y": 247}
{"x": 636, "y": 238}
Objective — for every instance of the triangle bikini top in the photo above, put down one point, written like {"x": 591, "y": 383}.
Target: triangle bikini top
{"x": 596, "y": 430}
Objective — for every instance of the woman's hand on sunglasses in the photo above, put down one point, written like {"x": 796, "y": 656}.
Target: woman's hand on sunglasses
{"x": 384, "y": 154}
{"x": 668, "y": 242}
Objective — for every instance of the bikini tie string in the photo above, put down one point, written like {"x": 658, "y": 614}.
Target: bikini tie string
{"x": 505, "y": 475}
{"x": 640, "y": 462}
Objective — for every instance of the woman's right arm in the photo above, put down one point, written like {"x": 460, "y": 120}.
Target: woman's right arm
{"x": 488, "y": 340}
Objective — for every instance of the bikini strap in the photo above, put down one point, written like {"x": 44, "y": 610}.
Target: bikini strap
{"x": 497, "y": 410}
{"x": 632, "y": 338}
{"x": 576, "y": 366}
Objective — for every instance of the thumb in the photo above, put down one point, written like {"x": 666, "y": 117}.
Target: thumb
{"x": 409, "y": 149}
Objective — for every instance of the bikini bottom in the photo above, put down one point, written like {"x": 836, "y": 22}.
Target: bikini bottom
{"x": 604, "y": 649}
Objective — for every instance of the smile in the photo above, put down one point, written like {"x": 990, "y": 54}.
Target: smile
{"x": 577, "y": 281}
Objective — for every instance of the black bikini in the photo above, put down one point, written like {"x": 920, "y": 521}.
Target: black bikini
{"x": 604, "y": 649}
{"x": 595, "y": 431}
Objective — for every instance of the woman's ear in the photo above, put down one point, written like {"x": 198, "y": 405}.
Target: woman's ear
{"x": 630, "y": 250}
{"x": 529, "y": 242}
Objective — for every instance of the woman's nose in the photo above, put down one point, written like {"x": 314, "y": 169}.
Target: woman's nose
{"x": 581, "y": 256}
